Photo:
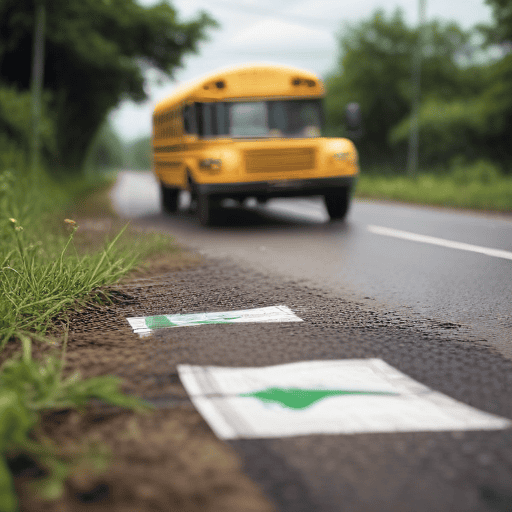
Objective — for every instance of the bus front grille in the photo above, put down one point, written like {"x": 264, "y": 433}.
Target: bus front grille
{"x": 279, "y": 160}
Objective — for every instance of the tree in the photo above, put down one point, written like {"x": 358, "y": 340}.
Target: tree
{"x": 477, "y": 122}
{"x": 374, "y": 69}
{"x": 97, "y": 53}
{"x": 499, "y": 93}
{"x": 501, "y": 32}
{"x": 15, "y": 133}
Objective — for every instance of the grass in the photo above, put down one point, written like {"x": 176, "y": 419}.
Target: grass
{"x": 479, "y": 186}
{"x": 29, "y": 388}
{"x": 35, "y": 288}
{"x": 43, "y": 274}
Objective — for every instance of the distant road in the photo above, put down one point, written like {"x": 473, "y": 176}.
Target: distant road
{"x": 455, "y": 267}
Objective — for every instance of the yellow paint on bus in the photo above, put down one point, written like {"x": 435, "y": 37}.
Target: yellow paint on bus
{"x": 250, "y": 131}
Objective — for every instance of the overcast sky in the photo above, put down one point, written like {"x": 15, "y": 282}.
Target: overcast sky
{"x": 295, "y": 32}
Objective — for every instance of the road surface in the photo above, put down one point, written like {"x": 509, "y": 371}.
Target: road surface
{"x": 426, "y": 291}
{"x": 454, "y": 267}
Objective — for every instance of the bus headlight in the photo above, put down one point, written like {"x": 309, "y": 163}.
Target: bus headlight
{"x": 211, "y": 164}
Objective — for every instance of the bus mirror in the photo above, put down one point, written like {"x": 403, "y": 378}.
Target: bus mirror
{"x": 354, "y": 120}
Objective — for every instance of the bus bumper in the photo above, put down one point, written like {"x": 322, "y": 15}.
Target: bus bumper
{"x": 277, "y": 188}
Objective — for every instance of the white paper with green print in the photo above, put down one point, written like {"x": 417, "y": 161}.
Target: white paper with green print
{"x": 324, "y": 397}
{"x": 146, "y": 324}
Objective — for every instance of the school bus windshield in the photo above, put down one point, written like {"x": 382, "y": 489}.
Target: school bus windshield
{"x": 249, "y": 119}
{"x": 289, "y": 118}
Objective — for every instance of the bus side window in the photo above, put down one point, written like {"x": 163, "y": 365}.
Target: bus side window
{"x": 209, "y": 120}
{"x": 189, "y": 119}
{"x": 199, "y": 118}
{"x": 222, "y": 119}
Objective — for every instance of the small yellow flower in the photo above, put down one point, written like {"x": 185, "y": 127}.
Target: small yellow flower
{"x": 12, "y": 220}
{"x": 70, "y": 222}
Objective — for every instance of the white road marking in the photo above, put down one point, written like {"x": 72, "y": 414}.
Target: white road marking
{"x": 406, "y": 235}
{"x": 349, "y": 396}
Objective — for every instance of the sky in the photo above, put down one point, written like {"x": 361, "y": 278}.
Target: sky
{"x": 299, "y": 33}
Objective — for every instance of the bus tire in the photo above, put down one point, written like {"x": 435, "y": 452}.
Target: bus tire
{"x": 338, "y": 203}
{"x": 205, "y": 209}
{"x": 169, "y": 198}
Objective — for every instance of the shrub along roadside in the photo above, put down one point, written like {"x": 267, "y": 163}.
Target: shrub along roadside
{"x": 41, "y": 276}
{"x": 479, "y": 186}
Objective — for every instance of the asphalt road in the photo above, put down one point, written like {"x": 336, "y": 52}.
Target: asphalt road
{"x": 461, "y": 287}
{"x": 434, "y": 309}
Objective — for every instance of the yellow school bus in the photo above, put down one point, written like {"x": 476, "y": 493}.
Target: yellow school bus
{"x": 250, "y": 131}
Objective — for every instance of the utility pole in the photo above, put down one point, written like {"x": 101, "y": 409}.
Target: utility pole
{"x": 36, "y": 83}
{"x": 412, "y": 155}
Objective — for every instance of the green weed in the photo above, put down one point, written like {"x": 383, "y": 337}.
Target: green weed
{"x": 27, "y": 389}
{"x": 36, "y": 286}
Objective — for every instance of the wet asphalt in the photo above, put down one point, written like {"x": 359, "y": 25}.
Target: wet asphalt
{"x": 294, "y": 238}
{"x": 454, "y": 340}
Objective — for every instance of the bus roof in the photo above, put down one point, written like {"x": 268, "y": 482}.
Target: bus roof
{"x": 247, "y": 81}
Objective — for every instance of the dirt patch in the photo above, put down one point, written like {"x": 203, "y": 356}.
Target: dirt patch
{"x": 166, "y": 460}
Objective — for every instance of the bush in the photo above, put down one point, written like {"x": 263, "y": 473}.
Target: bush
{"x": 15, "y": 128}
{"x": 481, "y": 171}
{"x": 447, "y": 128}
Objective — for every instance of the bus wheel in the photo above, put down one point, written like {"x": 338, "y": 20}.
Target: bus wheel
{"x": 169, "y": 198}
{"x": 205, "y": 209}
{"x": 338, "y": 203}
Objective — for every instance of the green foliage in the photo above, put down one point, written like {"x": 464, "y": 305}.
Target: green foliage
{"x": 40, "y": 272}
{"x": 478, "y": 185}
{"x": 36, "y": 285}
{"x": 138, "y": 154}
{"x": 480, "y": 171}
{"x": 375, "y": 67}
{"x": 466, "y": 107}
{"x": 29, "y": 388}
{"x": 446, "y": 128}
{"x": 15, "y": 128}
{"x": 97, "y": 52}
{"x": 373, "y": 71}
{"x": 502, "y": 12}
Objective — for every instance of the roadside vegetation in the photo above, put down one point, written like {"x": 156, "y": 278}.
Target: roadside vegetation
{"x": 95, "y": 54}
{"x": 44, "y": 275}
{"x": 479, "y": 185}
{"x": 464, "y": 115}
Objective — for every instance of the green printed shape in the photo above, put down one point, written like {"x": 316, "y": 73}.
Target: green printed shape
{"x": 157, "y": 322}
{"x": 297, "y": 398}
{"x": 161, "y": 321}
{"x": 216, "y": 320}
